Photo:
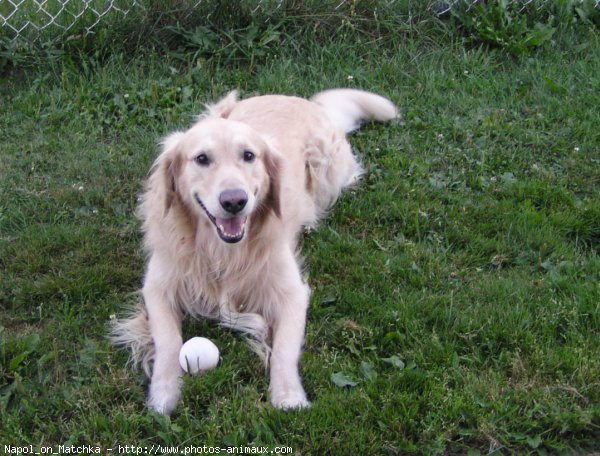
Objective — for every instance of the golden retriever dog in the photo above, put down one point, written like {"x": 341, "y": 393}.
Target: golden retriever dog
{"x": 222, "y": 212}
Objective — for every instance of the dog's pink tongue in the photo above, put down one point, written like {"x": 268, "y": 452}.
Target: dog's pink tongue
{"x": 232, "y": 227}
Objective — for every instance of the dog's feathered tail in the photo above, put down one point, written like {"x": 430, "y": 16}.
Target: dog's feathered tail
{"x": 222, "y": 108}
{"x": 133, "y": 332}
{"x": 347, "y": 108}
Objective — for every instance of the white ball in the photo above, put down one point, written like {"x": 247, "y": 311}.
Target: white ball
{"x": 198, "y": 354}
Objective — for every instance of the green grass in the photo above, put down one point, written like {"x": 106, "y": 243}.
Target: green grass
{"x": 457, "y": 287}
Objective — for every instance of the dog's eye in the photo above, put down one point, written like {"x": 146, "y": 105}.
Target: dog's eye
{"x": 249, "y": 156}
{"x": 202, "y": 160}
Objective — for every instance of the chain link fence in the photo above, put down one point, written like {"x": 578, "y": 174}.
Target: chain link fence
{"x": 30, "y": 19}
{"x": 446, "y": 7}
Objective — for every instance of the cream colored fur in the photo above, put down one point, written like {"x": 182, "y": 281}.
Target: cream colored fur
{"x": 299, "y": 163}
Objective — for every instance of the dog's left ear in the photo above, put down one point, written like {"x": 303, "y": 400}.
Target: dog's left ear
{"x": 273, "y": 166}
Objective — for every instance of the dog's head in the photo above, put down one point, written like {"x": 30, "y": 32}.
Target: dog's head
{"x": 223, "y": 172}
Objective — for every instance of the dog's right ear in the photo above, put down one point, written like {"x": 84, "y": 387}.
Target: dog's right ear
{"x": 170, "y": 162}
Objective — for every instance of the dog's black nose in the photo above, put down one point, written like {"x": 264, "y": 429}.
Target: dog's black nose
{"x": 233, "y": 201}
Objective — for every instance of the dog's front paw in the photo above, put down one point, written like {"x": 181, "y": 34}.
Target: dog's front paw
{"x": 288, "y": 400}
{"x": 164, "y": 395}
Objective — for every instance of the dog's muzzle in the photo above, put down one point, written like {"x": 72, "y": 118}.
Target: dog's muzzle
{"x": 230, "y": 229}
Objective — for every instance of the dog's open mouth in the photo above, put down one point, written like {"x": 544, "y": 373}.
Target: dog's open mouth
{"x": 229, "y": 229}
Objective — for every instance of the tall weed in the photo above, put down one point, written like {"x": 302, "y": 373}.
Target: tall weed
{"x": 520, "y": 28}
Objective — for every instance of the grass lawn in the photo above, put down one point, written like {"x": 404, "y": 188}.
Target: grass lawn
{"x": 456, "y": 290}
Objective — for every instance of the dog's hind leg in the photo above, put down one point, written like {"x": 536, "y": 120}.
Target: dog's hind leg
{"x": 252, "y": 325}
